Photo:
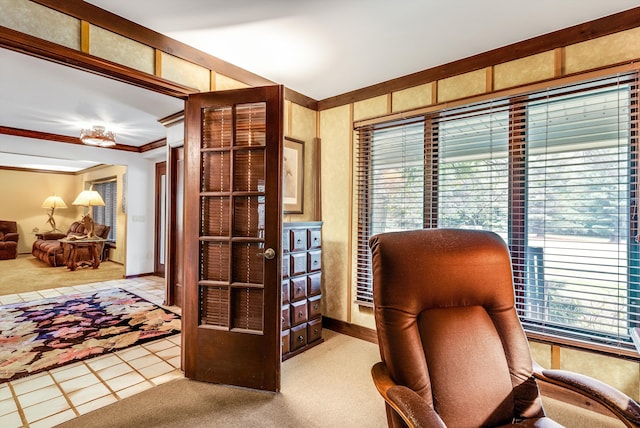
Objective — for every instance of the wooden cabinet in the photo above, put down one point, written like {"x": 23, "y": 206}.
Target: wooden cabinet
{"x": 301, "y": 287}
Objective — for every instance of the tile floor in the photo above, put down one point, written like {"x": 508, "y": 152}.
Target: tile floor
{"x": 50, "y": 398}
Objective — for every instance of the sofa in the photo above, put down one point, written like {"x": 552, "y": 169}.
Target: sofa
{"x": 8, "y": 240}
{"x": 50, "y": 250}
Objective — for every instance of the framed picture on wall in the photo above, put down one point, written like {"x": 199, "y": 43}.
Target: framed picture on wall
{"x": 293, "y": 175}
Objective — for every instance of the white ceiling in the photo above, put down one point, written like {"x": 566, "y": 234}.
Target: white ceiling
{"x": 320, "y": 48}
{"x": 323, "y": 48}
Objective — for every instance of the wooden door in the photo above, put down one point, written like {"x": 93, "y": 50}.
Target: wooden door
{"x": 232, "y": 213}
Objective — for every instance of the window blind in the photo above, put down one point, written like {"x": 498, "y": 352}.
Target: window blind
{"x": 472, "y": 169}
{"x": 107, "y": 214}
{"x": 581, "y": 260}
{"x": 553, "y": 172}
{"x": 391, "y": 188}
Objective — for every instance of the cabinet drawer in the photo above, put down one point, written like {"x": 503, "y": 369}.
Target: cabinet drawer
{"x": 298, "y": 263}
{"x": 298, "y": 337}
{"x": 298, "y": 288}
{"x": 286, "y": 317}
{"x": 315, "y": 238}
{"x": 285, "y": 265}
{"x": 285, "y": 242}
{"x": 298, "y": 312}
{"x": 286, "y": 341}
{"x": 314, "y": 330}
{"x": 314, "y": 307}
{"x": 285, "y": 291}
{"x": 314, "y": 284}
{"x": 314, "y": 260}
{"x": 298, "y": 240}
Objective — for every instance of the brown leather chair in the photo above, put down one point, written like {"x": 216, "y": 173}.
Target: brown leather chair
{"x": 8, "y": 240}
{"x": 453, "y": 350}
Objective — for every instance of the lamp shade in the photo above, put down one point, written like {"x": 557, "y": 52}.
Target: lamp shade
{"x": 54, "y": 202}
{"x": 89, "y": 198}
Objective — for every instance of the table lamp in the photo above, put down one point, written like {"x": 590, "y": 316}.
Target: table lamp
{"x": 89, "y": 198}
{"x": 53, "y": 202}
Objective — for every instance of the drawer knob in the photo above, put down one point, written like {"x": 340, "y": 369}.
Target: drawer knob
{"x": 300, "y": 338}
{"x": 315, "y": 331}
{"x": 299, "y": 289}
{"x": 315, "y": 262}
{"x": 300, "y": 314}
{"x": 315, "y": 306}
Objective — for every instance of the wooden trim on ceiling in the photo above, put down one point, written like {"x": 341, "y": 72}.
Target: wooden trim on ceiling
{"x": 85, "y": 11}
{"x": 30, "y": 45}
{"x": 153, "y": 145}
{"x": 173, "y": 118}
{"x": 298, "y": 98}
{"x": 38, "y": 135}
{"x": 39, "y": 170}
{"x": 124, "y": 27}
{"x": 578, "y": 33}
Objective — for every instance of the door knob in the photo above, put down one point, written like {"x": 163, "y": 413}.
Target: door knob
{"x": 268, "y": 254}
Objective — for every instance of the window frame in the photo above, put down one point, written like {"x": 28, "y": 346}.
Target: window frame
{"x": 517, "y": 199}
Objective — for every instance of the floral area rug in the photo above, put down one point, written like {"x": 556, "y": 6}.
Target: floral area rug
{"x": 49, "y": 333}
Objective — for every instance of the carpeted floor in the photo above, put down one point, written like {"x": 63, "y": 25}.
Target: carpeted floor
{"x": 328, "y": 386}
{"x": 27, "y": 273}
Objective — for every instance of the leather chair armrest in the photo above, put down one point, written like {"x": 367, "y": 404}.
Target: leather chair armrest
{"x": 11, "y": 237}
{"x": 48, "y": 236}
{"x": 412, "y": 408}
{"x": 624, "y": 407}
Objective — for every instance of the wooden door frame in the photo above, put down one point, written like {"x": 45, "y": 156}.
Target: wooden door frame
{"x": 159, "y": 225}
{"x": 171, "y": 267}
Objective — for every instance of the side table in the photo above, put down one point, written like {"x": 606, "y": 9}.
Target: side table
{"x": 71, "y": 259}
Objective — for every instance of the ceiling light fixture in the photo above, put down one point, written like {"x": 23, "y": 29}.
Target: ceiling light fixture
{"x": 98, "y": 136}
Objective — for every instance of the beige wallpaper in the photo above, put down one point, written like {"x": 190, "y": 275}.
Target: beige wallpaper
{"x": 121, "y": 50}
{"x": 40, "y": 21}
{"x": 335, "y": 129}
{"x": 300, "y": 124}
{"x": 186, "y": 73}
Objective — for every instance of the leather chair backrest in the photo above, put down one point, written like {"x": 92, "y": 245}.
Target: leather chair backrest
{"x": 7, "y": 227}
{"x": 447, "y": 325}
{"x": 77, "y": 228}
{"x": 102, "y": 230}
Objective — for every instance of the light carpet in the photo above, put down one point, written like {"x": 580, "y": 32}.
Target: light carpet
{"x": 27, "y": 273}
{"x": 328, "y": 386}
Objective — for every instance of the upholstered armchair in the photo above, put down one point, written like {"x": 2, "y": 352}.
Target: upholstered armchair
{"x": 49, "y": 249}
{"x": 8, "y": 240}
{"x": 453, "y": 350}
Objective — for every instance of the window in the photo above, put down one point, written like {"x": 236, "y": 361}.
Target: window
{"x": 107, "y": 214}
{"x": 553, "y": 172}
